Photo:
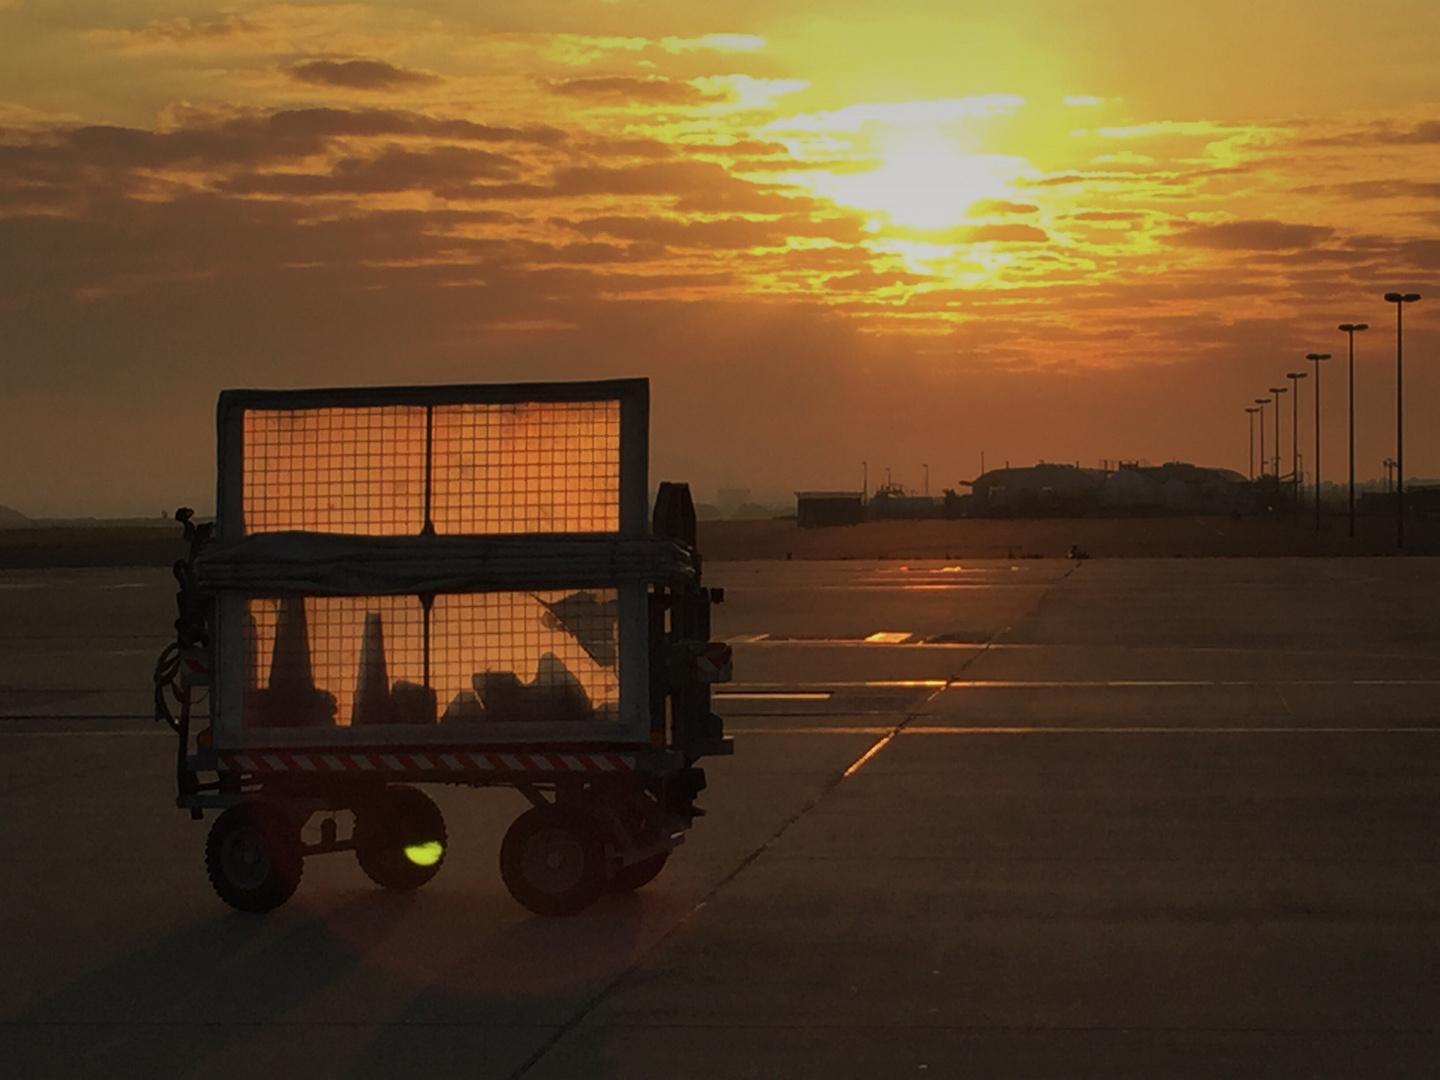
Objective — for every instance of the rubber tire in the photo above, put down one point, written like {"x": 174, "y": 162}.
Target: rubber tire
{"x": 638, "y": 875}
{"x": 537, "y": 838}
{"x": 386, "y": 825}
{"x": 253, "y": 857}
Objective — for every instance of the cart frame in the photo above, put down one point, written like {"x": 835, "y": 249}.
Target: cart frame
{"x": 618, "y": 790}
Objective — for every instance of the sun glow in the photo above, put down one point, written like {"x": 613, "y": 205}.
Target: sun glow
{"x": 923, "y": 183}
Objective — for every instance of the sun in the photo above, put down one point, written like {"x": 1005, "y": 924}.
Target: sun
{"x": 924, "y": 181}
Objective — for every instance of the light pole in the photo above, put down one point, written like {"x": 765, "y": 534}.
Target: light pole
{"x": 927, "y": 478}
{"x": 864, "y": 482}
{"x": 1400, "y": 300}
{"x": 1350, "y": 329}
{"x": 1252, "y": 411}
{"x": 1295, "y": 377}
{"x": 1262, "y": 402}
{"x": 1276, "y": 391}
{"x": 1315, "y": 358}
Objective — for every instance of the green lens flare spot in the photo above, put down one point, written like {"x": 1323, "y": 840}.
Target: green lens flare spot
{"x": 426, "y": 854}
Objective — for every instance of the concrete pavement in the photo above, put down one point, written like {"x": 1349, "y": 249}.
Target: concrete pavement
{"x": 1126, "y": 818}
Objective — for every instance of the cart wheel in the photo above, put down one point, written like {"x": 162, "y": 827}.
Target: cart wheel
{"x": 400, "y": 838}
{"x": 553, "y": 860}
{"x": 253, "y": 857}
{"x": 638, "y": 875}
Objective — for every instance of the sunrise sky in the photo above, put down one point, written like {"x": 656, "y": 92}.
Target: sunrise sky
{"x": 830, "y": 232}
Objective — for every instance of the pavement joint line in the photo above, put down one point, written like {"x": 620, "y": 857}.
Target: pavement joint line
{"x": 916, "y": 713}
{"x": 681, "y": 924}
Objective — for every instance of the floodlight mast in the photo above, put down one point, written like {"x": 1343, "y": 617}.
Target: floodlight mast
{"x": 1295, "y": 377}
{"x": 1251, "y": 411}
{"x": 1262, "y": 402}
{"x": 1276, "y": 391}
{"x": 1315, "y": 358}
{"x": 1351, "y": 329}
{"x": 1400, "y": 300}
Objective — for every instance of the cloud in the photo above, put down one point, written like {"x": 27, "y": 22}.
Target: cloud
{"x": 1386, "y": 189}
{"x": 1252, "y": 236}
{"x": 985, "y": 207}
{"x": 1424, "y": 254}
{"x": 184, "y": 31}
{"x": 854, "y": 117}
{"x": 447, "y": 168}
{"x": 650, "y": 90}
{"x": 719, "y": 42}
{"x": 737, "y": 233}
{"x": 1384, "y": 133}
{"x": 1005, "y": 234}
{"x": 359, "y": 74}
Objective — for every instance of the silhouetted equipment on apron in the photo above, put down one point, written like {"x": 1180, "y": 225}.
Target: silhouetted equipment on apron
{"x": 456, "y": 585}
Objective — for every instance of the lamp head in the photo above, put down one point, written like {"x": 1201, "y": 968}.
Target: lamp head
{"x": 1294, "y": 374}
{"x": 1401, "y": 298}
{"x": 1317, "y": 356}
{"x": 1350, "y": 328}
{"x": 1262, "y": 401}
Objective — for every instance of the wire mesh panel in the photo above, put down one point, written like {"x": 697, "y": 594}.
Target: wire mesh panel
{"x": 319, "y": 661}
{"x": 359, "y": 471}
{"x": 356, "y": 661}
{"x": 526, "y": 656}
{"x": 533, "y": 467}
{"x": 462, "y": 469}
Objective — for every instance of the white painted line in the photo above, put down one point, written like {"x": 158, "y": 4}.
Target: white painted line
{"x": 836, "y": 643}
{"x": 1153, "y": 730}
{"x": 791, "y": 689}
{"x": 158, "y": 733}
{"x": 777, "y": 695}
{"x": 746, "y": 639}
{"x": 852, "y": 730}
{"x": 1083, "y": 684}
{"x": 889, "y": 637}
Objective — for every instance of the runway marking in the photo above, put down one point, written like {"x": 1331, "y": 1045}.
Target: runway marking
{"x": 1042, "y": 730}
{"x": 902, "y": 641}
{"x": 1155, "y": 730}
{"x": 1082, "y": 684}
{"x": 889, "y": 637}
{"x": 166, "y": 732}
{"x": 778, "y": 695}
{"x": 796, "y": 690}
{"x": 871, "y": 730}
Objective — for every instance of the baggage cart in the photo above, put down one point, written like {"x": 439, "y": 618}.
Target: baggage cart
{"x": 441, "y": 585}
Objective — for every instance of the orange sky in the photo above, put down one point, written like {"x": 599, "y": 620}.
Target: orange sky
{"x": 828, "y": 232}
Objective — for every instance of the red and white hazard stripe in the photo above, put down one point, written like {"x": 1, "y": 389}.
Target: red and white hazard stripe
{"x": 438, "y": 762}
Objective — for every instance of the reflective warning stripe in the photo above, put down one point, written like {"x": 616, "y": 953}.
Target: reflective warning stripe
{"x": 451, "y": 761}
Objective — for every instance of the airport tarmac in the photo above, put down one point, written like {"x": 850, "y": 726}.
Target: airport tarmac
{"x": 1114, "y": 818}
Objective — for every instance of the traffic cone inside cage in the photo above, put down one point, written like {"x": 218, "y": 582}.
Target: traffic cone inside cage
{"x": 291, "y": 698}
{"x": 373, "y": 703}
{"x": 290, "y": 659}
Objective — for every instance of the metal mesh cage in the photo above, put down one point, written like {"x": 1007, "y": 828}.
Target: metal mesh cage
{"x": 359, "y": 471}
{"x": 502, "y": 656}
{"x": 471, "y": 469}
